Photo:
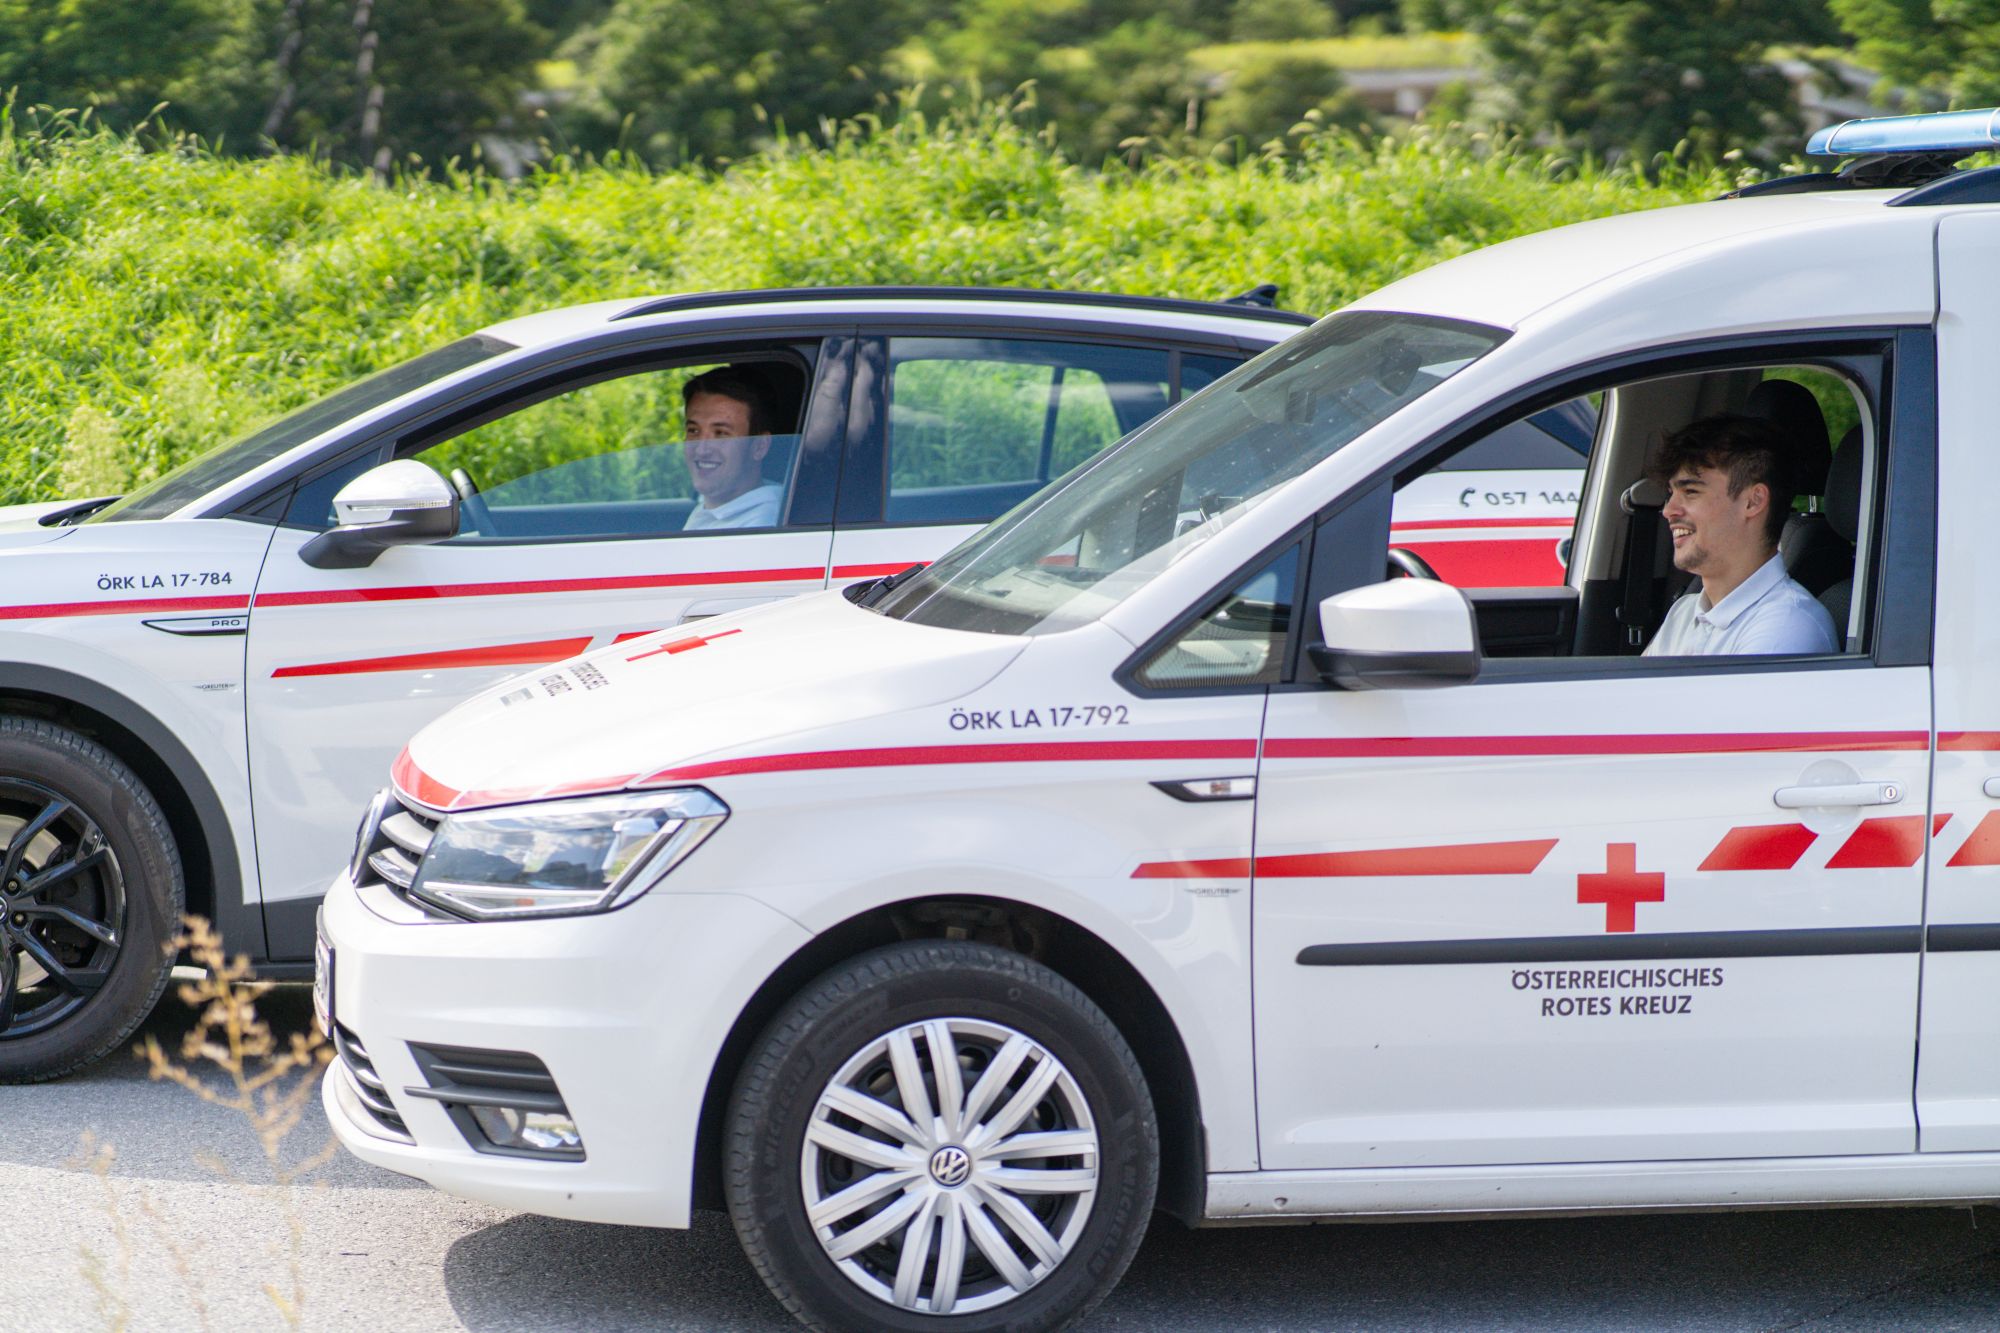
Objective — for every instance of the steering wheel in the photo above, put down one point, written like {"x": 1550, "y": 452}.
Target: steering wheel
{"x": 471, "y": 505}
{"x": 1407, "y": 564}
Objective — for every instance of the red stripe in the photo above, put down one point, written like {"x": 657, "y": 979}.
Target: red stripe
{"x": 1502, "y": 563}
{"x": 1564, "y": 521}
{"x": 1969, "y": 740}
{"x": 1466, "y": 747}
{"x": 1234, "y": 867}
{"x": 499, "y": 654}
{"x": 1765, "y": 847}
{"x": 1474, "y": 858}
{"x": 126, "y": 607}
{"x": 873, "y": 571}
{"x": 1890, "y": 843}
{"x": 631, "y": 634}
{"x": 1037, "y": 752}
{"x": 611, "y": 583}
{"x": 420, "y": 786}
{"x": 1983, "y": 847}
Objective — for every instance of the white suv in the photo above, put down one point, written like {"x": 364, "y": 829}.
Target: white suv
{"x": 1151, "y": 848}
{"x": 200, "y": 682}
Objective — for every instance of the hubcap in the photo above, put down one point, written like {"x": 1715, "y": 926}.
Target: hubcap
{"x": 62, "y": 912}
{"x": 950, "y": 1166}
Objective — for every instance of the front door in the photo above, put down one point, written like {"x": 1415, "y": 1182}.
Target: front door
{"x": 1615, "y": 908}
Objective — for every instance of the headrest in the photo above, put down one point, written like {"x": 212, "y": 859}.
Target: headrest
{"x": 1645, "y": 493}
{"x": 1843, "y": 486}
{"x": 1793, "y": 410}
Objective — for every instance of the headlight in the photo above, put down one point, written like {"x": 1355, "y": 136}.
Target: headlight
{"x": 562, "y": 858}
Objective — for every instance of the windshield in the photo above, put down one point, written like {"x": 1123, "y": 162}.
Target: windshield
{"x": 198, "y": 476}
{"x": 1064, "y": 557}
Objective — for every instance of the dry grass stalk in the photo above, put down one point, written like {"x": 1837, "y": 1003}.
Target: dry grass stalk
{"x": 267, "y": 1082}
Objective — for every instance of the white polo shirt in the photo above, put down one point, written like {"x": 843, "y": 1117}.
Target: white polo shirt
{"x": 1767, "y": 613}
{"x": 755, "y": 508}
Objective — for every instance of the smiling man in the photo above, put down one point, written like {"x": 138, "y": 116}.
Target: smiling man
{"x": 728, "y": 434}
{"x": 1728, "y": 496}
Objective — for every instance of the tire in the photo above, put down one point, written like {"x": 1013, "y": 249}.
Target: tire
{"x": 838, "y": 1044}
{"x": 90, "y": 893}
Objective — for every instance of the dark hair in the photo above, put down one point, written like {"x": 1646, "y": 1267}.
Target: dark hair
{"x": 1745, "y": 449}
{"x": 729, "y": 382}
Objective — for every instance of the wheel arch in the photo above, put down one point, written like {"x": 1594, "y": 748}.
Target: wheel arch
{"x": 200, "y": 823}
{"x": 1073, "y": 951}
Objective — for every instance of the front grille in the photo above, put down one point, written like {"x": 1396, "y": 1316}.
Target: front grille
{"x": 395, "y": 841}
{"x": 368, "y": 1088}
{"x": 463, "y": 1077}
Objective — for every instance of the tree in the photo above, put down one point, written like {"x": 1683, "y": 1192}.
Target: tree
{"x": 1636, "y": 77}
{"x": 1947, "y": 46}
{"x": 704, "y": 79}
{"x": 115, "y": 57}
{"x": 375, "y": 81}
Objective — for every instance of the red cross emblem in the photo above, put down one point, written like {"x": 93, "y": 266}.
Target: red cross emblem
{"x": 1621, "y": 888}
{"x": 683, "y": 645}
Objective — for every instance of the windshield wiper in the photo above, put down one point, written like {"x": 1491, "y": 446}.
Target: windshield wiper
{"x": 881, "y": 588}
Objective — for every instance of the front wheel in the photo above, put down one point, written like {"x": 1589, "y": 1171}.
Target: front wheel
{"x": 941, "y": 1136}
{"x": 90, "y": 890}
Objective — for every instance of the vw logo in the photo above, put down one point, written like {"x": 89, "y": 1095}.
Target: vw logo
{"x": 951, "y": 1167}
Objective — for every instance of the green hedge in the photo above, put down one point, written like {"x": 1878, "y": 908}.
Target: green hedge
{"x": 159, "y": 299}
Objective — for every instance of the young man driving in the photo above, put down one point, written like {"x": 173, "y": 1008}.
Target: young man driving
{"x": 1728, "y": 497}
{"x": 728, "y": 434}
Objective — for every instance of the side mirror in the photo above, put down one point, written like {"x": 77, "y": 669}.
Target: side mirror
{"x": 404, "y": 503}
{"x": 1405, "y": 634}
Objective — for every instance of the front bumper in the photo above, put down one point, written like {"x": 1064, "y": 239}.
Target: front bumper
{"x": 627, "y": 1011}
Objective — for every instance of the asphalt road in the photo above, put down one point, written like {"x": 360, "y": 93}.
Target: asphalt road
{"x": 182, "y": 1231}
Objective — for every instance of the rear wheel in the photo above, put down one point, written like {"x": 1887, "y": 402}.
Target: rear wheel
{"x": 90, "y": 890}
{"x": 941, "y": 1136}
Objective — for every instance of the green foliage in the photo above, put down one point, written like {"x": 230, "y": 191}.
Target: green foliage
{"x": 1946, "y": 46}
{"x": 693, "y": 78}
{"x": 118, "y": 58}
{"x": 162, "y": 299}
{"x": 1635, "y": 77}
{"x": 1266, "y": 87}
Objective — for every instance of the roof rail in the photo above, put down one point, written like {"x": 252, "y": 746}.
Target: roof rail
{"x": 1906, "y": 170}
{"x": 1237, "y": 307}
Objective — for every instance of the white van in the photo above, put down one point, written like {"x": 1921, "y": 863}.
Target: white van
{"x": 1150, "y": 850}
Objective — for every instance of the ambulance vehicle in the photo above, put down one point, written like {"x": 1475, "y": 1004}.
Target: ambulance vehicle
{"x": 201, "y": 681}
{"x": 1154, "y": 849}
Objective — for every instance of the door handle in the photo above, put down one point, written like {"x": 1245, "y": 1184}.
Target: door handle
{"x": 1846, "y": 793}
{"x": 1992, "y": 788}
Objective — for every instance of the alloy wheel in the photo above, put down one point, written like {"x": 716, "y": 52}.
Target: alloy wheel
{"x": 62, "y": 908}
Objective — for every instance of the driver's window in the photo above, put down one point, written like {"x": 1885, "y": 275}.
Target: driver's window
{"x": 683, "y": 449}
{"x": 1638, "y": 572}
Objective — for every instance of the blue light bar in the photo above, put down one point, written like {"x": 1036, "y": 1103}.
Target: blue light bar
{"x": 1942, "y": 132}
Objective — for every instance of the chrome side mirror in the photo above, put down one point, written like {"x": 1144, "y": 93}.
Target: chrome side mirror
{"x": 1405, "y": 634}
{"x": 404, "y": 503}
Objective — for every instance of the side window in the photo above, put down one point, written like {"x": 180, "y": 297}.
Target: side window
{"x": 1644, "y": 566}
{"x": 976, "y": 425}
{"x": 1238, "y": 641}
{"x": 626, "y": 457}
{"x": 1198, "y": 372}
